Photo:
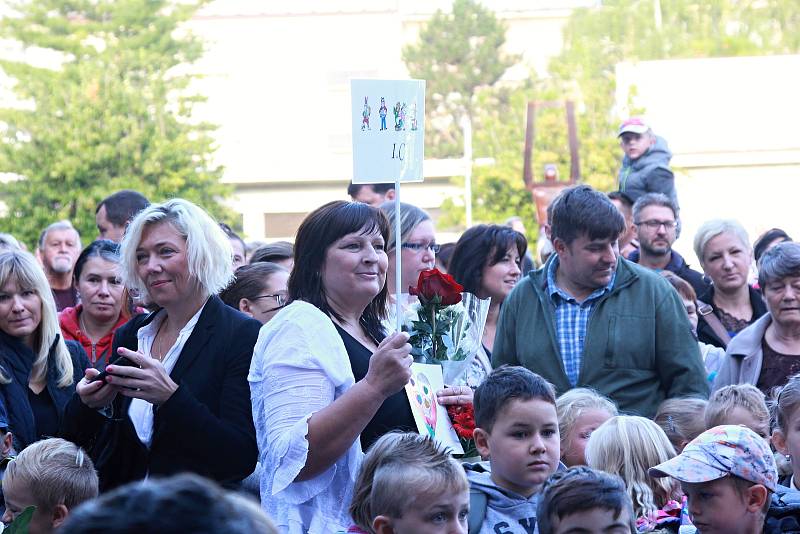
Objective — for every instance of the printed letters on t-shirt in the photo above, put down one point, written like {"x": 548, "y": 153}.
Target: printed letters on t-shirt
{"x": 528, "y": 524}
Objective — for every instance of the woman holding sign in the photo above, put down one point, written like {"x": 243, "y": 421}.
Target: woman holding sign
{"x": 325, "y": 379}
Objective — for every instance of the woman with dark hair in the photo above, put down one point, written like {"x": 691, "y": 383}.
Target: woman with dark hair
{"x": 325, "y": 380}
{"x": 104, "y": 305}
{"x": 487, "y": 261}
{"x": 260, "y": 290}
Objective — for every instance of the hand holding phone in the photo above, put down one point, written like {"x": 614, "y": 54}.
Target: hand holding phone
{"x": 119, "y": 360}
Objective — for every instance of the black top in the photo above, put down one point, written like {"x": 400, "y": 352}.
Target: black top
{"x": 44, "y": 413}
{"x": 394, "y": 413}
{"x": 776, "y": 368}
{"x": 706, "y": 334}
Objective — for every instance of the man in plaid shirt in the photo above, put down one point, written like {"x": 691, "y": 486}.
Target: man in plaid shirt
{"x": 590, "y": 318}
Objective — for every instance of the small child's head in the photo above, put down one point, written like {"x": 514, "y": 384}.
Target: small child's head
{"x": 54, "y": 475}
{"x": 727, "y": 473}
{"x": 786, "y": 418}
{"x": 681, "y": 420}
{"x": 739, "y": 404}
{"x": 581, "y": 499}
{"x": 687, "y": 294}
{"x": 628, "y": 446}
{"x": 580, "y": 412}
{"x": 408, "y": 484}
{"x": 517, "y": 428}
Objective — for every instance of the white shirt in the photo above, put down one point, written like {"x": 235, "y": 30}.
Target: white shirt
{"x": 299, "y": 367}
{"x": 141, "y": 411}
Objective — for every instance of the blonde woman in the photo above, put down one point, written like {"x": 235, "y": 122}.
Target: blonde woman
{"x": 628, "y": 446}
{"x": 182, "y": 402}
{"x": 39, "y": 370}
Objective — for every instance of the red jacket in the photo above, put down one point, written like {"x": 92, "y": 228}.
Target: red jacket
{"x": 71, "y": 329}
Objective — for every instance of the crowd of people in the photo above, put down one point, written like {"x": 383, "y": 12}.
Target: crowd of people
{"x": 169, "y": 376}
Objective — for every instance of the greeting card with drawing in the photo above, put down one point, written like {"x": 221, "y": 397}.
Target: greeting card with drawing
{"x": 431, "y": 417}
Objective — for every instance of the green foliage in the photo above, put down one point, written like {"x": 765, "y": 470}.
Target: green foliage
{"x": 115, "y": 115}
{"x": 595, "y": 41}
{"x": 458, "y": 54}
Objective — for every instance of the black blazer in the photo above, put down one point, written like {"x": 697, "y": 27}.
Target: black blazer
{"x": 206, "y": 427}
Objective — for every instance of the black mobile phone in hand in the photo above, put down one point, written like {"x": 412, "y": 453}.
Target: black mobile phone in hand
{"x": 120, "y": 360}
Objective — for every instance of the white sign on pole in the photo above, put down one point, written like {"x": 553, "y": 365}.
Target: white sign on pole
{"x": 388, "y": 122}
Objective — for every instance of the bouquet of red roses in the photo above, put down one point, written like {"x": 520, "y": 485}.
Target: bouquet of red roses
{"x": 447, "y": 326}
{"x": 463, "y": 418}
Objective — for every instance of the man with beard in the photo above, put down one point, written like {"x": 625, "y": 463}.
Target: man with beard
{"x": 656, "y": 222}
{"x": 590, "y": 318}
{"x": 59, "y": 248}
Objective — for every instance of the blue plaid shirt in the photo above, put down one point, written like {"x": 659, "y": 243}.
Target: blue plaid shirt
{"x": 571, "y": 320}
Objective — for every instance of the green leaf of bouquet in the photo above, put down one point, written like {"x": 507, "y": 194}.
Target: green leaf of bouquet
{"x": 21, "y": 523}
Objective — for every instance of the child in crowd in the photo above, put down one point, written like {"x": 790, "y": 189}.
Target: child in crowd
{"x": 409, "y": 485}
{"x": 739, "y": 404}
{"x": 786, "y": 436}
{"x": 628, "y": 446}
{"x": 712, "y": 356}
{"x": 729, "y": 476}
{"x": 54, "y": 475}
{"x": 580, "y": 412}
{"x": 517, "y": 429}
{"x": 584, "y": 501}
{"x": 682, "y": 420}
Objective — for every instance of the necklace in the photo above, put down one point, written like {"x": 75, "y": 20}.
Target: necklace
{"x": 158, "y": 354}
{"x": 85, "y": 330}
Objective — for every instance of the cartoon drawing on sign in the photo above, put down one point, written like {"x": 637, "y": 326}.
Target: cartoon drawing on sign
{"x": 365, "y": 115}
{"x": 426, "y": 401}
{"x": 403, "y": 110}
{"x": 398, "y": 119}
{"x": 383, "y": 111}
{"x": 414, "y": 116}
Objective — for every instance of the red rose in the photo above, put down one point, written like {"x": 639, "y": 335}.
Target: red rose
{"x": 463, "y": 418}
{"x": 434, "y": 283}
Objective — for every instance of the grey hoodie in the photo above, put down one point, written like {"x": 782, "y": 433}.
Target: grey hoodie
{"x": 506, "y": 511}
{"x": 650, "y": 173}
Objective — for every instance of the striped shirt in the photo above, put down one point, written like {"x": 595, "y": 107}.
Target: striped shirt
{"x": 572, "y": 319}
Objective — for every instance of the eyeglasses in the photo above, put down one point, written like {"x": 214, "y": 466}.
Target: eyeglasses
{"x": 417, "y": 247}
{"x": 281, "y": 299}
{"x": 655, "y": 225}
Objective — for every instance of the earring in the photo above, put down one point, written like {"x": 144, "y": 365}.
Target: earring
{"x": 788, "y": 457}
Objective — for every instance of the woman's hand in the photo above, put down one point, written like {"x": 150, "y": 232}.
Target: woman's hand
{"x": 149, "y": 381}
{"x": 455, "y": 395}
{"x": 390, "y": 365}
{"x": 94, "y": 394}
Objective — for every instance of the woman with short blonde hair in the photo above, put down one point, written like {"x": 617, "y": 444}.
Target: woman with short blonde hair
{"x": 39, "y": 370}
{"x": 730, "y": 305}
{"x": 179, "y": 401}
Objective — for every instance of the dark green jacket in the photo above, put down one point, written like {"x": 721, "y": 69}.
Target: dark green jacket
{"x": 639, "y": 348}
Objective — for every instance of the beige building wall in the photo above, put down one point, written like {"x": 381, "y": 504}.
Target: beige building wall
{"x": 732, "y": 126}
{"x": 277, "y": 79}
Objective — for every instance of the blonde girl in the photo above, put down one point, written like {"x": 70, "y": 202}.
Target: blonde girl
{"x": 628, "y": 446}
{"x": 580, "y": 412}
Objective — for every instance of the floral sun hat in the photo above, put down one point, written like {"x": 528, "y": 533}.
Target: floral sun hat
{"x": 721, "y": 451}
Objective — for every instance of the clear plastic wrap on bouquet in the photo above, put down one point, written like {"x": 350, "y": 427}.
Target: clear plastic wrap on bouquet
{"x": 457, "y": 345}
